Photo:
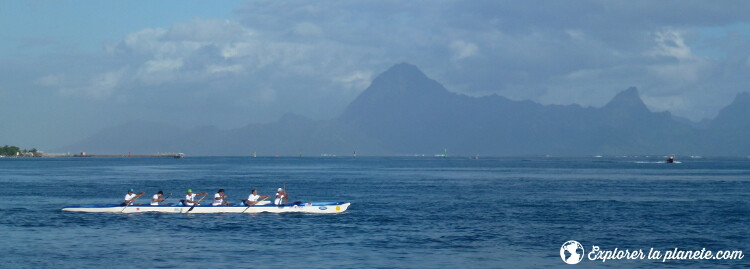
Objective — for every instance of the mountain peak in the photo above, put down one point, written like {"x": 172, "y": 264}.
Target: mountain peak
{"x": 400, "y": 77}
{"x": 627, "y": 101}
{"x": 401, "y": 86}
{"x": 403, "y": 69}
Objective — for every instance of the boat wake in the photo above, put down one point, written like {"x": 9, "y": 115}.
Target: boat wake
{"x": 662, "y": 162}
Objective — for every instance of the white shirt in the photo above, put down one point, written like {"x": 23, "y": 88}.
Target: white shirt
{"x": 189, "y": 197}
{"x": 253, "y": 198}
{"x": 156, "y": 196}
{"x": 218, "y": 202}
{"x": 279, "y": 199}
{"x": 129, "y": 197}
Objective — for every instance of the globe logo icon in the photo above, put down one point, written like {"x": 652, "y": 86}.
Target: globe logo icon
{"x": 571, "y": 252}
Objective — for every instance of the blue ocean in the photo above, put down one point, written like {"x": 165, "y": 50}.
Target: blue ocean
{"x": 406, "y": 212}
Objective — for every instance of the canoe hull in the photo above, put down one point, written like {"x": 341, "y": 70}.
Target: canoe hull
{"x": 314, "y": 207}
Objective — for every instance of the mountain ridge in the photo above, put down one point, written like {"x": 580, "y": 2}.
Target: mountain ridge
{"x": 405, "y": 112}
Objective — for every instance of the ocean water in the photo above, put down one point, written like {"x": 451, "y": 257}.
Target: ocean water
{"x": 406, "y": 212}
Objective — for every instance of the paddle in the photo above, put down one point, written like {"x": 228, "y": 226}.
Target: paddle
{"x": 170, "y": 195}
{"x": 286, "y": 196}
{"x": 131, "y": 201}
{"x": 194, "y": 204}
{"x": 253, "y": 203}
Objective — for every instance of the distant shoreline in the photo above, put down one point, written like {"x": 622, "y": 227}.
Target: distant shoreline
{"x": 83, "y": 155}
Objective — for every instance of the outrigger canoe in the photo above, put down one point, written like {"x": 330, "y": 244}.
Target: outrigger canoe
{"x": 313, "y": 207}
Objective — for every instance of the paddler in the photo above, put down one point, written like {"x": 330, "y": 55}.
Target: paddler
{"x": 219, "y": 198}
{"x": 190, "y": 197}
{"x": 253, "y": 198}
{"x": 157, "y": 198}
{"x": 130, "y": 197}
{"x": 281, "y": 197}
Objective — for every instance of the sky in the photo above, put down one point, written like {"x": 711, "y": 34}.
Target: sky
{"x": 71, "y": 68}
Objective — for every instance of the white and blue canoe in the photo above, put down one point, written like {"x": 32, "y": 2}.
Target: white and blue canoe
{"x": 264, "y": 206}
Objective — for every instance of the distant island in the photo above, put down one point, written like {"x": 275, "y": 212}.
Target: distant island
{"x": 14, "y": 151}
{"x": 403, "y": 112}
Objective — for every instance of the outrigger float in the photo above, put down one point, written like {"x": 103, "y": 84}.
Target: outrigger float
{"x": 265, "y": 206}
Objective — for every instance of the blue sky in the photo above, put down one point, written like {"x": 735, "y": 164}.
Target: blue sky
{"x": 72, "y": 68}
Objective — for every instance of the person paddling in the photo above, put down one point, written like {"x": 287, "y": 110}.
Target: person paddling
{"x": 190, "y": 197}
{"x": 253, "y": 198}
{"x": 219, "y": 198}
{"x": 157, "y": 198}
{"x": 281, "y": 197}
{"x": 130, "y": 197}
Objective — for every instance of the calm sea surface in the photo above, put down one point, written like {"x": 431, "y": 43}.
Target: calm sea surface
{"x": 405, "y": 213}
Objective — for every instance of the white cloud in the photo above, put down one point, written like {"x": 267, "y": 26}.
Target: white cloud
{"x": 203, "y": 47}
{"x": 583, "y": 74}
{"x": 308, "y": 29}
{"x": 675, "y": 76}
{"x": 54, "y": 80}
{"x": 146, "y": 40}
{"x": 191, "y": 51}
{"x": 237, "y": 49}
{"x": 158, "y": 71}
{"x": 235, "y": 68}
{"x": 356, "y": 80}
{"x": 182, "y": 39}
{"x": 679, "y": 73}
{"x": 267, "y": 95}
{"x": 575, "y": 33}
{"x": 100, "y": 87}
{"x": 163, "y": 65}
{"x": 462, "y": 49}
{"x": 671, "y": 43}
{"x": 208, "y": 31}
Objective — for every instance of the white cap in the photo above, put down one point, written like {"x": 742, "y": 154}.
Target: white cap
{"x": 280, "y": 189}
